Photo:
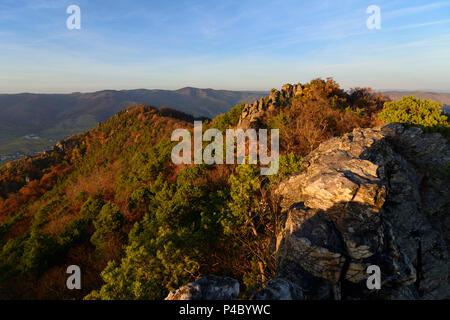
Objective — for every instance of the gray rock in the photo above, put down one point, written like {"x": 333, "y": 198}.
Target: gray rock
{"x": 279, "y": 289}
{"x": 369, "y": 198}
{"x": 207, "y": 288}
{"x": 251, "y": 113}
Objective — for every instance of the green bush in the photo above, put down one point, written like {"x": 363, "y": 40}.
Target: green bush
{"x": 140, "y": 199}
{"x": 289, "y": 164}
{"x": 246, "y": 222}
{"x": 229, "y": 119}
{"x": 6, "y": 225}
{"x": 410, "y": 110}
{"x": 73, "y": 233}
{"x": 11, "y": 256}
{"x": 108, "y": 222}
{"x": 41, "y": 218}
{"x": 167, "y": 247}
{"x": 41, "y": 252}
{"x": 147, "y": 164}
{"x": 91, "y": 208}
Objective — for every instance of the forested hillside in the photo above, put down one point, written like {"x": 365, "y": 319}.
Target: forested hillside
{"x": 31, "y": 123}
{"x": 112, "y": 202}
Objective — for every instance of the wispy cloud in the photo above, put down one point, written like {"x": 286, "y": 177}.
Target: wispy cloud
{"x": 415, "y": 10}
{"x": 420, "y": 25}
{"x": 47, "y": 4}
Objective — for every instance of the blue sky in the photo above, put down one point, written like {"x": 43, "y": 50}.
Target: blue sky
{"x": 227, "y": 44}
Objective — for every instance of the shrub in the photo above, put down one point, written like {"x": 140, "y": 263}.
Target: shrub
{"x": 73, "y": 233}
{"x": 41, "y": 251}
{"x": 169, "y": 245}
{"x": 11, "y": 255}
{"x": 6, "y": 225}
{"x": 140, "y": 199}
{"x": 229, "y": 119}
{"x": 247, "y": 223}
{"x": 289, "y": 164}
{"x": 109, "y": 222}
{"x": 41, "y": 218}
{"x": 91, "y": 208}
{"x": 410, "y": 110}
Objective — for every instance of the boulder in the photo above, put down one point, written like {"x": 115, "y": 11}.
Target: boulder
{"x": 368, "y": 198}
{"x": 279, "y": 289}
{"x": 207, "y": 288}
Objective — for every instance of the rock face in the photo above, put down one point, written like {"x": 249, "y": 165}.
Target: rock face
{"x": 251, "y": 113}
{"x": 207, "y": 288}
{"x": 279, "y": 289}
{"x": 374, "y": 197}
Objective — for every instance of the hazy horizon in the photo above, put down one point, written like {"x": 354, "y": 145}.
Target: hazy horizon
{"x": 216, "y": 89}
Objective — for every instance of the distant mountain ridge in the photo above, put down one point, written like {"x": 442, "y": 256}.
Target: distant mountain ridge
{"x": 31, "y": 123}
{"x": 51, "y": 117}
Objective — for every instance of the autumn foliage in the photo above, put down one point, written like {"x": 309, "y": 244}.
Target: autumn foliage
{"x": 112, "y": 201}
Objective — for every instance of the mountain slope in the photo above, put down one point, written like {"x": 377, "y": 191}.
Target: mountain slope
{"x": 113, "y": 194}
{"x": 47, "y": 202}
{"x": 111, "y": 201}
{"x": 31, "y": 123}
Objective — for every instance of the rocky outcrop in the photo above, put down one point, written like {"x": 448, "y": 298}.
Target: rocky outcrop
{"x": 207, "y": 288}
{"x": 251, "y": 113}
{"x": 375, "y": 197}
{"x": 279, "y": 289}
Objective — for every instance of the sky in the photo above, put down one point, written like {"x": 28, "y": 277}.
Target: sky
{"x": 226, "y": 44}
